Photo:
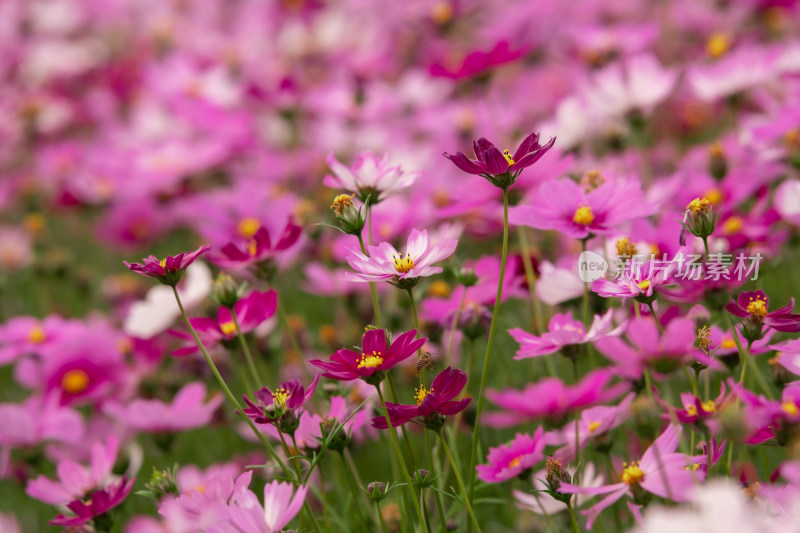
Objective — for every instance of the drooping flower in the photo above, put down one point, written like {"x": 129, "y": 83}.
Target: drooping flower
{"x": 187, "y": 410}
{"x": 564, "y": 206}
{"x": 564, "y": 333}
{"x": 551, "y": 398}
{"x": 169, "y": 270}
{"x": 752, "y": 307}
{"x": 438, "y": 400}
{"x": 661, "y": 472}
{"x": 101, "y": 502}
{"x": 508, "y": 461}
{"x": 370, "y": 177}
{"x": 385, "y": 263}
{"x": 501, "y": 168}
{"x": 375, "y": 359}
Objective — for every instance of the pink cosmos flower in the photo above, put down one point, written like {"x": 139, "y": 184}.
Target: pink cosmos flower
{"x": 369, "y": 177}
{"x": 188, "y": 410}
{"x": 695, "y": 410}
{"x": 170, "y": 270}
{"x": 23, "y": 335}
{"x": 256, "y": 250}
{"x": 76, "y": 481}
{"x": 37, "y": 420}
{"x": 637, "y": 280}
{"x": 251, "y": 311}
{"x": 752, "y": 306}
{"x": 551, "y": 399}
{"x": 204, "y": 505}
{"x": 100, "y": 503}
{"x": 661, "y": 472}
{"x": 562, "y": 205}
{"x": 789, "y": 355}
{"x": 440, "y": 399}
{"x": 479, "y": 61}
{"x": 385, "y": 263}
{"x": 375, "y": 359}
{"x": 281, "y": 504}
{"x": 563, "y": 332}
{"x": 269, "y": 405}
{"x": 510, "y": 460}
{"x": 770, "y": 418}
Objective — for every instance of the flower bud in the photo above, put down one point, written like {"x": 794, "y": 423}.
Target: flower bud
{"x": 467, "y": 277}
{"x": 224, "y": 291}
{"x": 700, "y": 220}
{"x": 351, "y": 218}
{"x": 162, "y": 482}
{"x": 288, "y": 423}
{"x": 422, "y": 478}
{"x": 340, "y": 440}
{"x": 377, "y": 490}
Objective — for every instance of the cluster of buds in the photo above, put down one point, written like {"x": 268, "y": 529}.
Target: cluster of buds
{"x": 162, "y": 483}
{"x": 351, "y": 218}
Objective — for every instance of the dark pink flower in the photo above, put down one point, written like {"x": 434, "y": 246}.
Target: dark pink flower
{"x": 440, "y": 399}
{"x": 271, "y": 405}
{"x": 375, "y": 359}
{"x": 479, "y": 62}
{"x": 168, "y": 271}
{"x": 563, "y": 331}
{"x": 100, "y": 503}
{"x": 510, "y": 460}
{"x": 752, "y": 306}
{"x": 258, "y": 249}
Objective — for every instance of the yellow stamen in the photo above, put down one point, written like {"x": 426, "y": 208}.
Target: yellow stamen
{"x": 513, "y": 463}
{"x": 439, "y": 288}
{"x": 508, "y": 157}
{"x": 279, "y": 398}
{"x": 583, "y": 215}
{"x": 757, "y": 307}
{"x": 703, "y": 339}
{"x": 403, "y": 264}
{"x": 592, "y": 180}
{"x": 733, "y": 225}
{"x": 632, "y": 475}
{"x": 228, "y": 328}
{"x": 715, "y": 196}
{"x": 252, "y": 248}
{"x": 341, "y": 202}
{"x": 75, "y": 381}
{"x": 644, "y": 285}
{"x": 790, "y": 408}
{"x": 248, "y": 227}
{"x": 692, "y": 467}
{"x": 163, "y": 263}
{"x": 691, "y": 410}
{"x": 421, "y": 394}
{"x": 709, "y": 406}
{"x": 36, "y": 334}
{"x": 718, "y": 45}
{"x": 729, "y": 344}
{"x": 593, "y": 426}
{"x": 626, "y": 248}
{"x": 370, "y": 361}
{"x": 699, "y": 205}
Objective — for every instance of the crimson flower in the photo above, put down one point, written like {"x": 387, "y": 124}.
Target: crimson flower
{"x": 501, "y": 168}
{"x": 168, "y": 271}
{"x": 752, "y": 306}
{"x": 270, "y": 405}
{"x": 439, "y": 400}
{"x": 259, "y": 250}
{"x": 100, "y": 503}
{"x": 375, "y": 359}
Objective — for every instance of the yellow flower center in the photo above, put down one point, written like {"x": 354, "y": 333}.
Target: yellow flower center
{"x": 626, "y": 248}
{"x": 513, "y": 463}
{"x": 718, "y": 45}
{"x": 699, "y": 205}
{"x": 729, "y": 344}
{"x": 593, "y": 426}
{"x": 370, "y": 361}
{"x": 790, "y": 408}
{"x": 341, "y": 202}
{"x": 709, "y": 406}
{"x": 36, "y": 334}
{"x": 733, "y": 225}
{"x": 403, "y": 264}
{"x": 583, "y": 215}
{"x": 692, "y": 467}
{"x": 163, "y": 263}
{"x": 508, "y": 157}
{"x": 644, "y": 285}
{"x": 442, "y": 12}
{"x": 691, "y": 410}
{"x": 75, "y": 381}
{"x": 439, "y": 288}
{"x": 714, "y": 196}
{"x": 279, "y": 397}
{"x": 632, "y": 475}
{"x": 248, "y": 227}
{"x": 421, "y": 394}
{"x": 228, "y": 328}
{"x": 757, "y": 307}
{"x": 252, "y": 248}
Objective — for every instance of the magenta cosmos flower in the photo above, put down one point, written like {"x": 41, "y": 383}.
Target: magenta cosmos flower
{"x": 564, "y": 333}
{"x": 251, "y": 312}
{"x": 385, "y": 263}
{"x": 375, "y": 359}
{"x": 510, "y": 460}
{"x": 440, "y": 399}
{"x": 788, "y": 355}
{"x": 281, "y": 504}
{"x": 752, "y": 306}
{"x": 170, "y": 270}
{"x": 562, "y": 205}
{"x": 189, "y": 409}
{"x": 257, "y": 250}
{"x": 551, "y": 399}
{"x": 697, "y": 411}
{"x": 637, "y": 280}
{"x": 501, "y": 168}
{"x": 370, "y": 177}
{"x": 661, "y": 471}
{"x": 271, "y": 405}
{"x": 100, "y": 503}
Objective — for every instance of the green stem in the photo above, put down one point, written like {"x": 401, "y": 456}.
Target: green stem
{"x": 577, "y": 420}
{"x": 399, "y": 454}
{"x": 485, "y": 373}
{"x": 575, "y": 527}
{"x": 747, "y": 359}
{"x": 439, "y": 505}
{"x": 356, "y": 492}
{"x": 373, "y": 289}
{"x": 380, "y": 516}
{"x": 705, "y": 245}
{"x": 354, "y": 472}
{"x": 416, "y": 327}
{"x": 231, "y": 398}
{"x": 403, "y": 427}
{"x": 530, "y": 277}
{"x": 708, "y": 452}
{"x": 246, "y": 349}
{"x": 451, "y": 334}
{"x": 460, "y": 483}
{"x": 655, "y": 317}
{"x": 585, "y": 291}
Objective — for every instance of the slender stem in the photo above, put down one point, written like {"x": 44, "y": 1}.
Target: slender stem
{"x": 585, "y": 291}
{"x": 373, "y": 289}
{"x": 655, "y": 317}
{"x": 399, "y": 454}
{"x": 348, "y": 459}
{"x": 747, "y": 359}
{"x": 355, "y": 490}
{"x": 416, "y": 327}
{"x": 224, "y": 386}
{"x": 705, "y": 245}
{"x": 439, "y": 505}
{"x": 485, "y": 373}
{"x": 451, "y": 334}
{"x": 460, "y": 483}
{"x": 647, "y": 383}
{"x": 284, "y": 320}
{"x": 403, "y": 427}
{"x": 380, "y": 516}
{"x": 246, "y": 349}
{"x": 708, "y": 453}
{"x": 575, "y": 527}
{"x": 530, "y": 277}
{"x": 577, "y": 420}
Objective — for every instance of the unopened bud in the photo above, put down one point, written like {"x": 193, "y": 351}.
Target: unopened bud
{"x": 225, "y": 291}
{"x": 377, "y": 490}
